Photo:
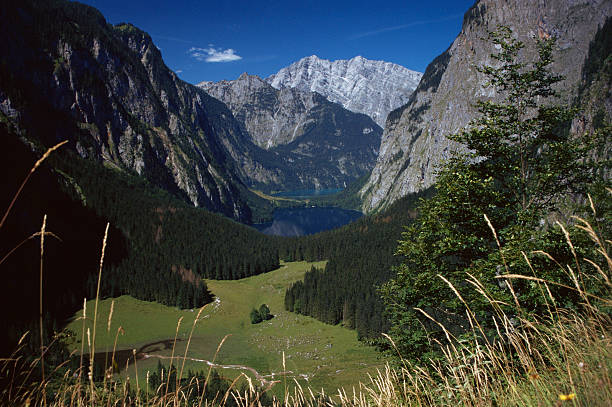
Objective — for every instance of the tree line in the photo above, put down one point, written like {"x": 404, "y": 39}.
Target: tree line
{"x": 171, "y": 245}
{"x": 360, "y": 259}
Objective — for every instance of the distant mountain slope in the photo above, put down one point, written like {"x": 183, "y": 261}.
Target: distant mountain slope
{"x": 360, "y": 85}
{"x": 595, "y": 91}
{"x": 312, "y": 142}
{"x": 113, "y": 97}
{"x": 144, "y": 147}
{"x": 414, "y": 141}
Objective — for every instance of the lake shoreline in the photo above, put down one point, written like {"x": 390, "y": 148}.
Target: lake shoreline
{"x": 301, "y": 221}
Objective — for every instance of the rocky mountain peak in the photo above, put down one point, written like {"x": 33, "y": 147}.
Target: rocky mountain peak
{"x": 117, "y": 102}
{"x": 358, "y": 84}
{"x": 317, "y": 143}
{"x": 414, "y": 142}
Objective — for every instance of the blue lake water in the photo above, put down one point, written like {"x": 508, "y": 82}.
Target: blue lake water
{"x": 306, "y": 221}
{"x": 305, "y": 193}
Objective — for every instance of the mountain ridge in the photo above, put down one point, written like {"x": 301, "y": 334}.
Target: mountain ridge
{"x": 108, "y": 91}
{"x": 315, "y": 143}
{"x": 414, "y": 141}
{"x": 359, "y": 84}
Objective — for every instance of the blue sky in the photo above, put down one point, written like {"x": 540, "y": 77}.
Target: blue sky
{"x": 215, "y": 40}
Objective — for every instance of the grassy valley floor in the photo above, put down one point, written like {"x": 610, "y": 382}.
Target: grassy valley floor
{"x": 317, "y": 355}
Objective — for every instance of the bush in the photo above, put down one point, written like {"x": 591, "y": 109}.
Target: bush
{"x": 255, "y": 317}
{"x": 263, "y": 314}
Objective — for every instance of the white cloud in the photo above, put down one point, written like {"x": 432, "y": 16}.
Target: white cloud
{"x": 212, "y": 54}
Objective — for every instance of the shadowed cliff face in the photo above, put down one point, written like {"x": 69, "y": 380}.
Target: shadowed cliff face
{"x": 595, "y": 93}
{"x": 312, "y": 142}
{"x": 109, "y": 92}
{"x": 414, "y": 141}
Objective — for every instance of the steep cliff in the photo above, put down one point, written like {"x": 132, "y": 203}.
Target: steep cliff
{"x": 107, "y": 90}
{"x": 595, "y": 92}
{"x": 313, "y": 143}
{"x": 414, "y": 141}
{"x": 360, "y": 85}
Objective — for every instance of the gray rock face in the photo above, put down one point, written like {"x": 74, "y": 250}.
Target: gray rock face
{"x": 311, "y": 142}
{"x": 360, "y": 85}
{"x": 120, "y": 104}
{"x": 271, "y": 117}
{"x": 414, "y": 141}
{"x": 595, "y": 94}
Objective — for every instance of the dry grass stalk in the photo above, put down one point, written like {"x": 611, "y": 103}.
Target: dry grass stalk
{"x": 40, "y": 292}
{"x": 36, "y": 165}
{"x": 95, "y": 318}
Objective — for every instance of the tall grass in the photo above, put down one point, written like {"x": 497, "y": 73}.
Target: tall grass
{"x": 562, "y": 357}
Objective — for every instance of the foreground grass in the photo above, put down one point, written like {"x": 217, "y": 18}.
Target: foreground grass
{"x": 564, "y": 358}
{"x": 317, "y": 355}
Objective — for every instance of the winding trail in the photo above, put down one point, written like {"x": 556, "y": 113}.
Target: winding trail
{"x": 261, "y": 378}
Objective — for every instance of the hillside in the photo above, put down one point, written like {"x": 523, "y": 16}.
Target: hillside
{"x": 414, "y": 142}
{"x": 107, "y": 90}
{"x": 313, "y": 143}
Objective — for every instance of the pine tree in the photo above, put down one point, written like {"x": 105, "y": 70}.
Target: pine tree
{"x": 255, "y": 316}
{"x": 264, "y": 312}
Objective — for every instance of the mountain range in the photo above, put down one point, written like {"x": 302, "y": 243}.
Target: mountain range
{"x": 314, "y": 143}
{"x": 360, "y": 85}
{"x": 107, "y": 90}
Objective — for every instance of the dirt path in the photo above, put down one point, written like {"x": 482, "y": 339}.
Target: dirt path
{"x": 261, "y": 378}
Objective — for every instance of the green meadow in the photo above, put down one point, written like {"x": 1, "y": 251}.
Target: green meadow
{"x": 316, "y": 355}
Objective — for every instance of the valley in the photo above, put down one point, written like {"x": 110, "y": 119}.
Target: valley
{"x": 257, "y": 191}
{"x": 317, "y": 355}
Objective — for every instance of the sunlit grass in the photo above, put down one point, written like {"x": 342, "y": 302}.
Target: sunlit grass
{"x": 316, "y": 354}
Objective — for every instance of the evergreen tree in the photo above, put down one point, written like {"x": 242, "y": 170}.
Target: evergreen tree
{"x": 521, "y": 161}
{"x": 264, "y": 312}
{"x": 255, "y": 316}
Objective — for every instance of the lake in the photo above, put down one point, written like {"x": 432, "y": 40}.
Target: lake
{"x": 306, "y": 221}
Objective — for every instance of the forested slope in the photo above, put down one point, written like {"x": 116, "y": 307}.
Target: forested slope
{"x": 159, "y": 247}
{"x": 360, "y": 258}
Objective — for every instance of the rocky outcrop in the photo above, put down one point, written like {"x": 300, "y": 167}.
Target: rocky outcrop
{"x": 360, "y": 85}
{"x": 269, "y": 116}
{"x": 312, "y": 143}
{"x": 111, "y": 95}
{"x": 414, "y": 141}
{"x": 594, "y": 99}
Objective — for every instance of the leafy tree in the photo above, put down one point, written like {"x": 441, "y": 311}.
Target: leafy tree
{"x": 264, "y": 312}
{"x": 255, "y": 316}
{"x": 521, "y": 160}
